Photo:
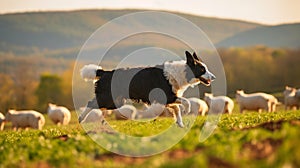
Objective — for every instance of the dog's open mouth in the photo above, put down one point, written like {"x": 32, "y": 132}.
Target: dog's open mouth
{"x": 204, "y": 81}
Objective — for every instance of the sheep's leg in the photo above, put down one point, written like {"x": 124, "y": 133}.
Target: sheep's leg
{"x": 202, "y": 113}
{"x": 241, "y": 109}
{"x": 269, "y": 107}
{"x": 1, "y": 126}
{"x": 274, "y": 107}
{"x": 285, "y": 107}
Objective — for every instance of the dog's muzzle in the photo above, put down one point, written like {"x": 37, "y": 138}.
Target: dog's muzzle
{"x": 207, "y": 78}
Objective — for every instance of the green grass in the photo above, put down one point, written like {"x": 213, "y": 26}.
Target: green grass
{"x": 241, "y": 140}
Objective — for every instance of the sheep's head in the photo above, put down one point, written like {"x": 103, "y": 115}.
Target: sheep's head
{"x": 51, "y": 105}
{"x": 240, "y": 92}
{"x": 11, "y": 111}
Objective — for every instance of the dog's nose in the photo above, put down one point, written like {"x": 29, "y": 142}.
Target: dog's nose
{"x": 213, "y": 77}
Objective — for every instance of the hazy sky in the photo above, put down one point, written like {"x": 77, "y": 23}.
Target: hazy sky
{"x": 262, "y": 11}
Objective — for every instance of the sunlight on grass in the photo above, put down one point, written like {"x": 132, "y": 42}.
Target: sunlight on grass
{"x": 240, "y": 140}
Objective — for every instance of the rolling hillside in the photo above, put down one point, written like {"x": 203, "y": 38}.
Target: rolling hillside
{"x": 286, "y": 36}
{"x": 24, "y": 33}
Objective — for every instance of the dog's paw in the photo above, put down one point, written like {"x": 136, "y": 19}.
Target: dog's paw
{"x": 80, "y": 119}
{"x": 180, "y": 124}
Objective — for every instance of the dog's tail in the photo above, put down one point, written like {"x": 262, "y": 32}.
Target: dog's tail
{"x": 91, "y": 72}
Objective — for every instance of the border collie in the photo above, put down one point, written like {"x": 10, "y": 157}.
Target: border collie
{"x": 171, "y": 79}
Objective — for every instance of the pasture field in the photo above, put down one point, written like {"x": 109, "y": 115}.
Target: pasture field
{"x": 241, "y": 140}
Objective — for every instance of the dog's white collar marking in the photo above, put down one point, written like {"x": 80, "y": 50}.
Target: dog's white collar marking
{"x": 175, "y": 73}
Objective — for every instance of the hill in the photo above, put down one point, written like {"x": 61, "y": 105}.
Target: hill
{"x": 285, "y": 36}
{"x": 24, "y": 33}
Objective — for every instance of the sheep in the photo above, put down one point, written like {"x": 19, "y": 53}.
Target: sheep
{"x": 2, "y": 121}
{"x": 290, "y": 98}
{"x": 160, "y": 110}
{"x": 219, "y": 103}
{"x": 155, "y": 110}
{"x": 256, "y": 101}
{"x": 59, "y": 114}
{"x": 25, "y": 119}
{"x": 298, "y": 93}
{"x": 298, "y": 96}
{"x": 150, "y": 112}
{"x": 84, "y": 111}
{"x": 125, "y": 112}
{"x": 95, "y": 115}
{"x": 198, "y": 106}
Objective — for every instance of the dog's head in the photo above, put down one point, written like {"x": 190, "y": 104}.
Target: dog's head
{"x": 199, "y": 69}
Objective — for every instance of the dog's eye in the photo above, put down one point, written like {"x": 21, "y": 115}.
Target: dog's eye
{"x": 202, "y": 69}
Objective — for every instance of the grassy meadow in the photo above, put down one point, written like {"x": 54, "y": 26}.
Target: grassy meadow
{"x": 38, "y": 52}
{"x": 241, "y": 140}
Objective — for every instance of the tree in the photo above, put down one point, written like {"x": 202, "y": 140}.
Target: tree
{"x": 49, "y": 90}
{"x": 7, "y": 93}
{"x": 23, "y": 76}
{"x": 67, "y": 86}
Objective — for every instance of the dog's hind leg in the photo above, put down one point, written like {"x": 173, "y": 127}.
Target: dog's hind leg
{"x": 185, "y": 102}
{"x": 92, "y": 104}
{"x": 176, "y": 111}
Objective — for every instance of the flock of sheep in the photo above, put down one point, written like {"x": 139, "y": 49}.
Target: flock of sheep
{"x": 216, "y": 104}
{"x": 32, "y": 119}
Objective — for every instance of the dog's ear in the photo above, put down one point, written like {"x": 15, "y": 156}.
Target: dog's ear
{"x": 196, "y": 57}
{"x": 189, "y": 58}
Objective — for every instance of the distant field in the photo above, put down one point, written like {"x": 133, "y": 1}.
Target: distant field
{"x": 241, "y": 140}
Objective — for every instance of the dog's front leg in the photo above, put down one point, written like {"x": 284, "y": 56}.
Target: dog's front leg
{"x": 187, "y": 107}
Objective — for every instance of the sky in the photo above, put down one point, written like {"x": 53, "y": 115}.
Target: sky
{"x": 270, "y": 12}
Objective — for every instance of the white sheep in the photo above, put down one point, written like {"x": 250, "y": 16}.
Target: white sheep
{"x": 2, "y": 121}
{"x": 25, "y": 119}
{"x": 150, "y": 112}
{"x": 59, "y": 114}
{"x": 125, "y": 112}
{"x": 219, "y": 104}
{"x": 290, "y": 98}
{"x": 256, "y": 101}
{"x": 169, "y": 110}
{"x": 156, "y": 110}
{"x": 198, "y": 106}
{"x": 95, "y": 115}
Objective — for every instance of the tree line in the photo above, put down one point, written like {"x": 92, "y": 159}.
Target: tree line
{"x": 261, "y": 68}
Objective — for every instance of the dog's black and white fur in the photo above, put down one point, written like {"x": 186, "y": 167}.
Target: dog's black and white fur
{"x": 172, "y": 78}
